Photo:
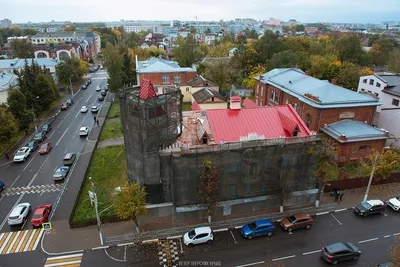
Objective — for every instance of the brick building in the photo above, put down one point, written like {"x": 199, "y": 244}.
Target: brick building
{"x": 317, "y": 102}
{"x": 163, "y": 72}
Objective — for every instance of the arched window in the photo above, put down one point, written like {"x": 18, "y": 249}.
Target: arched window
{"x": 41, "y": 55}
{"x": 63, "y": 55}
{"x": 308, "y": 120}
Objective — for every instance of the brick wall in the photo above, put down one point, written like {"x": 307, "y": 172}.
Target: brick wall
{"x": 156, "y": 78}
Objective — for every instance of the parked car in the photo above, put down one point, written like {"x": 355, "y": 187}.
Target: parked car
{"x": 342, "y": 251}
{"x": 19, "y": 214}
{"x": 22, "y": 154}
{"x": 64, "y": 106}
{"x": 45, "y": 148}
{"x": 69, "y": 159}
{"x": 258, "y": 228}
{"x": 83, "y": 87}
{"x": 46, "y": 127}
{"x": 2, "y": 186}
{"x": 33, "y": 145}
{"x": 106, "y": 88}
{"x": 103, "y": 92}
{"x": 394, "y": 203}
{"x": 198, "y": 236}
{"x": 89, "y": 81}
{"x": 40, "y": 136}
{"x": 98, "y": 88}
{"x": 61, "y": 173}
{"x": 296, "y": 221}
{"x": 84, "y": 109}
{"x": 369, "y": 207}
{"x": 41, "y": 215}
{"x": 100, "y": 98}
{"x": 84, "y": 131}
{"x": 95, "y": 109}
{"x": 70, "y": 101}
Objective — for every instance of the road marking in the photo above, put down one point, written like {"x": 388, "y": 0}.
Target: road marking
{"x": 368, "y": 240}
{"x": 6, "y": 244}
{"x": 150, "y": 241}
{"x": 16, "y": 238}
{"x": 340, "y": 210}
{"x": 38, "y": 239}
{"x": 336, "y": 219}
{"x": 51, "y": 134}
{"x": 238, "y": 227}
{"x": 233, "y": 236}
{"x": 386, "y": 236}
{"x": 174, "y": 237}
{"x": 322, "y": 213}
{"x": 220, "y": 230}
{"x": 396, "y": 234}
{"x": 87, "y": 100}
{"x": 73, "y": 260}
{"x": 126, "y": 244}
{"x": 251, "y": 264}
{"x": 28, "y": 164}
{"x": 102, "y": 247}
{"x": 77, "y": 114}
{"x": 62, "y": 136}
{"x": 22, "y": 243}
{"x": 284, "y": 258}
{"x": 311, "y": 252}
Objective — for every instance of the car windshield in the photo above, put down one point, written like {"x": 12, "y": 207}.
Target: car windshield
{"x": 30, "y": 143}
{"x": 291, "y": 219}
{"x": 192, "y": 234}
{"x": 37, "y": 216}
{"x": 252, "y": 226}
{"x": 365, "y": 204}
{"x": 38, "y": 135}
{"x": 43, "y": 146}
{"x": 13, "y": 217}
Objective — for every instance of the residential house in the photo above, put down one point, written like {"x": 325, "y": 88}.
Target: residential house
{"x": 311, "y": 29}
{"x": 194, "y": 85}
{"x": 183, "y": 32}
{"x": 317, "y": 102}
{"x": 163, "y": 72}
{"x": 386, "y": 87}
{"x": 207, "y": 98}
{"x": 7, "y": 81}
{"x": 62, "y": 51}
{"x": 272, "y": 27}
{"x": 207, "y": 38}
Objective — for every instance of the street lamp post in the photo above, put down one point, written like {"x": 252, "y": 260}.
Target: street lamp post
{"x": 70, "y": 84}
{"x": 33, "y": 110}
{"x": 370, "y": 177}
{"x": 93, "y": 198}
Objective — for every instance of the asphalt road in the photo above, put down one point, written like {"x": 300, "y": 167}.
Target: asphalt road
{"x": 32, "y": 180}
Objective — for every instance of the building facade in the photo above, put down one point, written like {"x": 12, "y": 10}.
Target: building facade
{"x": 5, "y": 23}
{"x": 194, "y": 85}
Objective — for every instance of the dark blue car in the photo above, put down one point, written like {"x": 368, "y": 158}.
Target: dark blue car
{"x": 2, "y": 186}
{"x": 258, "y": 228}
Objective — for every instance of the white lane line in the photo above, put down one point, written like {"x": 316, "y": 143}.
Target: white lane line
{"x": 70, "y": 263}
{"x": 28, "y": 164}
{"x": 251, "y": 264}
{"x": 77, "y": 114}
{"x": 38, "y": 239}
{"x": 322, "y": 213}
{"x": 396, "y": 234}
{"x": 22, "y": 240}
{"x": 87, "y": 100}
{"x": 51, "y": 134}
{"x": 340, "y": 210}
{"x": 311, "y": 252}
{"x": 10, "y": 187}
{"x": 233, "y": 236}
{"x": 238, "y": 227}
{"x": 336, "y": 219}
{"x": 386, "y": 236}
{"x": 62, "y": 136}
{"x": 5, "y": 242}
{"x": 13, "y": 242}
{"x": 368, "y": 240}
{"x": 284, "y": 258}
{"x": 220, "y": 230}
{"x": 66, "y": 256}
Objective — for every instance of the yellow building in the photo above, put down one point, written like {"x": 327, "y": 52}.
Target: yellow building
{"x": 194, "y": 85}
{"x": 207, "y": 98}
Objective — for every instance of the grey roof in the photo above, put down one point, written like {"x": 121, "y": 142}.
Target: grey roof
{"x": 203, "y": 94}
{"x": 64, "y": 34}
{"x": 5, "y": 80}
{"x": 200, "y": 81}
{"x": 20, "y": 63}
{"x": 157, "y": 65}
{"x": 393, "y": 84}
{"x": 296, "y": 83}
{"x": 354, "y": 131}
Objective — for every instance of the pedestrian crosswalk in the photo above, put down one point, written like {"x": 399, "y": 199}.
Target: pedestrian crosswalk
{"x": 73, "y": 260}
{"x": 20, "y": 241}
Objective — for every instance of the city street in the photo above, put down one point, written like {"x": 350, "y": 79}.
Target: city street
{"x": 32, "y": 181}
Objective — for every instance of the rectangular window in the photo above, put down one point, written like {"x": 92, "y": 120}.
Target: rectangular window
{"x": 177, "y": 78}
{"x": 371, "y": 81}
{"x": 365, "y": 81}
{"x": 233, "y": 190}
{"x": 395, "y": 102}
{"x": 257, "y": 100}
{"x": 274, "y": 97}
{"x": 165, "y": 79}
{"x": 248, "y": 188}
{"x": 234, "y": 167}
{"x": 378, "y": 84}
{"x": 187, "y": 89}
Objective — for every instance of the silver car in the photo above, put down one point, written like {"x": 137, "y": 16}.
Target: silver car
{"x": 61, "y": 173}
{"x": 19, "y": 214}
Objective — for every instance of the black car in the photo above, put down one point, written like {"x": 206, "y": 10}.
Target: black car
{"x": 70, "y": 101}
{"x": 33, "y": 145}
{"x": 46, "y": 127}
{"x": 342, "y": 251}
{"x": 106, "y": 88}
{"x": 103, "y": 92}
{"x": 100, "y": 98}
{"x": 83, "y": 86}
{"x": 69, "y": 159}
{"x": 89, "y": 81}
{"x": 369, "y": 207}
{"x": 40, "y": 136}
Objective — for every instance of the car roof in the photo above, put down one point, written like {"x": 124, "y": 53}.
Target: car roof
{"x": 263, "y": 222}
{"x": 69, "y": 155}
{"x": 18, "y": 208}
{"x": 374, "y": 202}
{"x": 202, "y": 230}
{"x": 336, "y": 247}
{"x": 301, "y": 215}
{"x": 62, "y": 167}
{"x": 83, "y": 128}
{"x": 84, "y": 106}
{"x": 39, "y": 210}
{"x": 22, "y": 149}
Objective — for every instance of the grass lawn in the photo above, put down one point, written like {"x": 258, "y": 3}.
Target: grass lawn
{"x": 108, "y": 171}
{"x": 111, "y": 130}
{"x": 186, "y": 106}
{"x": 333, "y": 172}
{"x": 114, "y": 111}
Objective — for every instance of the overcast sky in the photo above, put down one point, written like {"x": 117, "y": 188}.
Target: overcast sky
{"x": 364, "y": 11}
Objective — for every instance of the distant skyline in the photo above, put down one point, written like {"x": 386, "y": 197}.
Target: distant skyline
{"x": 346, "y": 11}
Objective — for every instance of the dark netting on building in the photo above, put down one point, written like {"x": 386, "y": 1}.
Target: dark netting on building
{"x": 149, "y": 124}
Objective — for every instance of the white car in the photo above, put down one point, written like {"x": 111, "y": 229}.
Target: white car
{"x": 19, "y": 214}
{"x": 198, "y": 235}
{"x": 22, "y": 154}
{"x": 84, "y": 109}
{"x": 394, "y": 203}
{"x": 98, "y": 88}
{"x": 84, "y": 131}
{"x": 95, "y": 109}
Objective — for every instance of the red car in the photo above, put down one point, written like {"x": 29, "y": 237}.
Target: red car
{"x": 45, "y": 148}
{"x": 64, "y": 106}
{"x": 41, "y": 215}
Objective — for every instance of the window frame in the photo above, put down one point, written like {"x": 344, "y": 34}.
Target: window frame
{"x": 395, "y": 102}
{"x": 165, "y": 79}
{"x": 177, "y": 77}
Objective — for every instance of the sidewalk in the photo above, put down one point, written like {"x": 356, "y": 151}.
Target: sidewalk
{"x": 111, "y": 142}
{"x": 64, "y": 239}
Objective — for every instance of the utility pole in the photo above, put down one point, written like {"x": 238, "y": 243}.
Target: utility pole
{"x": 93, "y": 198}
{"x": 33, "y": 111}
{"x": 370, "y": 177}
{"x": 70, "y": 84}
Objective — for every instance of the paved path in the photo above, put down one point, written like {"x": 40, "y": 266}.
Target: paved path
{"x": 111, "y": 142}
{"x": 113, "y": 119}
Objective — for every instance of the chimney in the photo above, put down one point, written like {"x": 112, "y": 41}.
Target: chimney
{"x": 333, "y": 81}
{"x": 236, "y": 102}
{"x": 307, "y": 73}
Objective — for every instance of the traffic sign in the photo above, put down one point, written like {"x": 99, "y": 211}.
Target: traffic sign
{"x": 47, "y": 226}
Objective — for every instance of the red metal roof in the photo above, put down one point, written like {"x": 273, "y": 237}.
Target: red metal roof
{"x": 247, "y": 103}
{"x": 146, "y": 90}
{"x": 195, "y": 106}
{"x": 229, "y": 125}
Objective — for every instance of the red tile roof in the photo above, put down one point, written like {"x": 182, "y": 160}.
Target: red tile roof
{"x": 247, "y": 103}
{"x": 146, "y": 90}
{"x": 195, "y": 106}
{"x": 272, "y": 122}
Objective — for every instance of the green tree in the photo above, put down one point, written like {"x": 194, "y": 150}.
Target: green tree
{"x": 387, "y": 164}
{"x": 44, "y": 91}
{"x": 244, "y": 60}
{"x": 208, "y": 187}
{"x": 29, "y": 31}
{"x": 8, "y": 126}
{"x": 128, "y": 73}
{"x": 268, "y": 45}
{"x": 22, "y": 48}
{"x": 324, "y": 67}
{"x": 349, "y": 48}
{"x": 221, "y": 50}
{"x": 185, "y": 51}
{"x": 64, "y": 72}
{"x": 394, "y": 60}
{"x": 113, "y": 61}
{"x": 219, "y": 72}
{"x": 25, "y": 120}
{"x": 130, "y": 202}
{"x": 16, "y": 102}
{"x": 202, "y": 50}
{"x": 250, "y": 81}
{"x": 284, "y": 59}
{"x": 348, "y": 76}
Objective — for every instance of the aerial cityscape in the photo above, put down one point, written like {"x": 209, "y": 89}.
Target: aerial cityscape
{"x": 199, "y": 133}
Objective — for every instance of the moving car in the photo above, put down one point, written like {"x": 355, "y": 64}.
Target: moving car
{"x": 95, "y": 109}
{"x": 258, "y": 228}
{"x": 61, "y": 173}
{"x": 64, "y": 106}
{"x": 341, "y": 251}
{"x": 40, "y": 136}
{"x": 100, "y": 98}
{"x": 369, "y": 207}
{"x": 69, "y": 159}
{"x": 19, "y": 214}
{"x": 394, "y": 203}
{"x": 70, "y": 101}
{"x": 198, "y": 236}
{"x": 22, "y": 154}
{"x": 84, "y": 109}
{"x": 103, "y": 92}
{"x": 33, "y": 145}
{"x": 46, "y": 127}
{"x": 84, "y": 131}
{"x": 45, "y": 148}
{"x": 98, "y": 88}
{"x": 2, "y": 186}
{"x": 41, "y": 215}
{"x": 296, "y": 221}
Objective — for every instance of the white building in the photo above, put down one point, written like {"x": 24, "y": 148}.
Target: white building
{"x": 6, "y": 81}
{"x": 138, "y": 27}
{"x": 386, "y": 87}
{"x": 5, "y": 23}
